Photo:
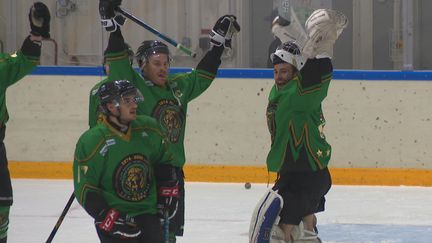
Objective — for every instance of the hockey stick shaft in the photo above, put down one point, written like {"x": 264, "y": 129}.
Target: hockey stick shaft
{"x": 156, "y": 32}
{"x": 60, "y": 220}
{"x": 166, "y": 227}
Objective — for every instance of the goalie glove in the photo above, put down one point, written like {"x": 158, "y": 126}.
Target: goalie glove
{"x": 223, "y": 30}
{"x": 109, "y": 19}
{"x": 118, "y": 225}
{"x": 323, "y": 28}
{"x": 39, "y": 17}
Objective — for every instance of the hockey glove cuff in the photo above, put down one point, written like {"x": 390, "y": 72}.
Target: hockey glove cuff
{"x": 118, "y": 225}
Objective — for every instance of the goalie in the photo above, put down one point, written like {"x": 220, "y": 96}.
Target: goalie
{"x": 299, "y": 151}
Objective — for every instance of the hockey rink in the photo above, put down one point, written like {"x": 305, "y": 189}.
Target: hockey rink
{"x": 220, "y": 213}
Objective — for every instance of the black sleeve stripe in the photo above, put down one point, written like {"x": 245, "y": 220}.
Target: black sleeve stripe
{"x": 115, "y": 42}
{"x": 212, "y": 60}
{"x": 314, "y": 71}
{"x": 95, "y": 203}
{"x": 29, "y": 48}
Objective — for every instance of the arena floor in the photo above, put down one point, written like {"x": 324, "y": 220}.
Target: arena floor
{"x": 220, "y": 213}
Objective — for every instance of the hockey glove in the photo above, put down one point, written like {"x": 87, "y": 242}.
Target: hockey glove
{"x": 39, "y": 17}
{"x": 168, "y": 190}
{"x": 223, "y": 31}
{"x": 110, "y": 21}
{"x": 118, "y": 225}
{"x": 116, "y": 3}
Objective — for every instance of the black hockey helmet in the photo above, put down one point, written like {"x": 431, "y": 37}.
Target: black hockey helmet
{"x": 117, "y": 90}
{"x": 288, "y": 52}
{"x": 149, "y": 48}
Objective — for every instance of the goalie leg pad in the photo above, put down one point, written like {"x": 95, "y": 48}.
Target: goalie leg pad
{"x": 300, "y": 235}
{"x": 265, "y": 216}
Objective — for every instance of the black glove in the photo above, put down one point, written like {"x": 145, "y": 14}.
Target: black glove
{"x": 39, "y": 17}
{"x": 109, "y": 19}
{"x": 118, "y": 225}
{"x": 116, "y": 3}
{"x": 168, "y": 195}
{"x": 168, "y": 190}
{"x": 223, "y": 30}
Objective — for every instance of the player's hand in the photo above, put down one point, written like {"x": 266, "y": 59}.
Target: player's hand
{"x": 168, "y": 195}
{"x": 118, "y": 225}
{"x": 109, "y": 19}
{"x": 167, "y": 188}
{"x": 39, "y": 17}
{"x": 223, "y": 30}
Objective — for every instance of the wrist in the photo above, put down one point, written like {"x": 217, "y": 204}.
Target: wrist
{"x": 108, "y": 222}
{"x": 34, "y": 38}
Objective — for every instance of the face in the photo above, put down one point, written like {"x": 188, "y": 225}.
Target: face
{"x": 126, "y": 110}
{"x": 283, "y": 72}
{"x": 156, "y": 69}
{"x": 106, "y": 67}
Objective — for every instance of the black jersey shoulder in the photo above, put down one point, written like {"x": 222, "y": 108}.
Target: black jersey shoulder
{"x": 315, "y": 71}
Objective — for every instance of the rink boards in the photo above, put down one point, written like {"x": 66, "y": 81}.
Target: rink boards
{"x": 243, "y": 174}
{"x": 378, "y": 124}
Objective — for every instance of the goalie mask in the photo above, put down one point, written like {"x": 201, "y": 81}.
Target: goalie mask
{"x": 149, "y": 48}
{"x": 290, "y": 53}
{"x": 117, "y": 91}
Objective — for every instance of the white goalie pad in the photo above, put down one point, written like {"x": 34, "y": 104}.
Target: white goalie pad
{"x": 265, "y": 217}
{"x": 301, "y": 235}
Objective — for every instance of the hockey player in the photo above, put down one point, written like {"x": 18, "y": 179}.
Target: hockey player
{"x": 167, "y": 96}
{"x": 13, "y": 68}
{"x": 94, "y": 112}
{"x": 123, "y": 169}
{"x": 299, "y": 151}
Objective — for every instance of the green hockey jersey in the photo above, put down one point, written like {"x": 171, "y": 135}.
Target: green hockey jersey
{"x": 120, "y": 166}
{"x": 13, "y": 68}
{"x": 296, "y": 121}
{"x": 167, "y": 105}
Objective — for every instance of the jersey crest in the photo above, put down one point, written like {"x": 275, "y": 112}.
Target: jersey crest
{"x": 171, "y": 117}
{"x": 133, "y": 177}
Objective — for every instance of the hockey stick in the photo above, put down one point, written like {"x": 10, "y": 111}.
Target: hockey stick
{"x": 166, "y": 226}
{"x": 60, "y": 220}
{"x": 156, "y": 32}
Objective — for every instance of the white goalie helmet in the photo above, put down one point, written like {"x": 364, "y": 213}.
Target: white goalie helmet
{"x": 288, "y": 52}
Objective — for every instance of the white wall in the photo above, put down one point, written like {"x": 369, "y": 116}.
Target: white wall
{"x": 369, "y": 123}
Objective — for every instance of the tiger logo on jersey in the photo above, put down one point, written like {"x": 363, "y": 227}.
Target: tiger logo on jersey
{"x": 133, "y": 177}
{"x": 171, "y": 117}
{"x": 271, "y": 122}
